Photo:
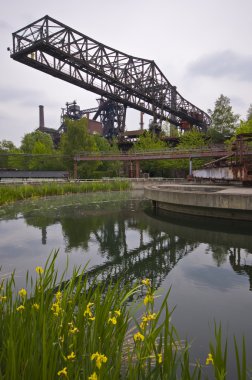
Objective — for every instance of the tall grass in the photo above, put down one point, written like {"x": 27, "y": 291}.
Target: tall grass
{"x": 77, "y": 329}
{"x": 12, "y": 193}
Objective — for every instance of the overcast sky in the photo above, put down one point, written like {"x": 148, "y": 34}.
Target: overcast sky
{"x": 202, "y": 46}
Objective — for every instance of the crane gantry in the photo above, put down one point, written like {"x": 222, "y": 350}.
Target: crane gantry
{"x": 56, "y": 49}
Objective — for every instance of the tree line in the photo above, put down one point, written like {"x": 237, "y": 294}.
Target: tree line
{"x": 40, "y": 153}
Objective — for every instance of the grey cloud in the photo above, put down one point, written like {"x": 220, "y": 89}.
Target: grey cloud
{"x": 24, "y": 96}
{"x": 5, "y": 25}
{"x": 224, "y": 64}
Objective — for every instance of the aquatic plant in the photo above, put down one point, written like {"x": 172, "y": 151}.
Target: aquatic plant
{"x": 12, "y": 193}
{"x": 79, "y": 329}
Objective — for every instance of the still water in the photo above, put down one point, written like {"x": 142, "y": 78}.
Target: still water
{"x": 207, "y": 263}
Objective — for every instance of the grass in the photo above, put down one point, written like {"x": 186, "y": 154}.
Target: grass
{"x": 12, "y": 193}
{"x": 77, "y": 329}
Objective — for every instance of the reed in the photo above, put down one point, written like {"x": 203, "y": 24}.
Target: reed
{"x": 12, "y": 193}
{"x": 80, "y": 329}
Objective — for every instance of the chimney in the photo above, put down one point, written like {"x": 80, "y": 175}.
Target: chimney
{"x": 41, "y": 117}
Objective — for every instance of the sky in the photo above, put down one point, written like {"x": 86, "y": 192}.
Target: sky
{"x": 203, "y": 47}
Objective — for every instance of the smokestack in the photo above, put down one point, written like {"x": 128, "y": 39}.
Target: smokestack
{"x": 41, "y": 117}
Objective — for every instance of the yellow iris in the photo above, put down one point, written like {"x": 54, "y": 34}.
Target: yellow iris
{"x": 35, "y": 306}
{"x": 93, "y": 376}
{"x": 63, "y": 372}
{"x": 39, "y": 270}
{"x": 20, "y": 308}
{"x": 22, "y": 292}
{"x": 148, "y": 299}
{"x": 138, "y": 336}
{"x": 209, "y": 359}
{"x": 99, "y": 359}
{"x": 112, "y": 320}
{"x": 71, "y": 356}
{"x": 146, "y": 282}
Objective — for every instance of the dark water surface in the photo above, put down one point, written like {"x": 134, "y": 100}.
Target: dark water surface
{"x": 208, "y": 264}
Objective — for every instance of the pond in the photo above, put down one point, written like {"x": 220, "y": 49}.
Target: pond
{"x": 207, "y": 263}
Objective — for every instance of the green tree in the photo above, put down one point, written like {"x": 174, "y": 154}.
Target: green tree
{"x": 6, "y": 146}
{"x": 75, "y": 140}
{"x": 107, "y": 168}
{"x": 224, "y": 121}
{"x": 249, "y": 113}
{"x": 30, "y": 140}
{"x": 40, "y": 145}
{"x": 190, "y": 140}
{"x": 150, "y": 141}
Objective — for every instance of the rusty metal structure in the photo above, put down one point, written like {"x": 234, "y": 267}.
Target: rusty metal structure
{"x": 112, "y": 115}
{"x": 235, "y": 165}
{"x": 56, "y": 49}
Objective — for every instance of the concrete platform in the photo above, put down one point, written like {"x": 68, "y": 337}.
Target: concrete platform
{"x": 227, "y": 202}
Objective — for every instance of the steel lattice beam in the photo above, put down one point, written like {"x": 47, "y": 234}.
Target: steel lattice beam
{"x": 58, "y": 50}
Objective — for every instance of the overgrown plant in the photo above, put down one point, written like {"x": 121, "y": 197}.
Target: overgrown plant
{"x": 12, "y": 193}
{"x": 82, "y": 329}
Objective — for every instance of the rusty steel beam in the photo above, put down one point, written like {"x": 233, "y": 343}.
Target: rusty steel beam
{"x": 160, "y": 155}
{"x": 56, "y": 49}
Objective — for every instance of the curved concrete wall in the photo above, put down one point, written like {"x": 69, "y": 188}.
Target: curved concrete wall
{"x": 214, "y": 201}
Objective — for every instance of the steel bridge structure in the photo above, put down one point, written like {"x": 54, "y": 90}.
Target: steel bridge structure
{"x": 56, "y": 49}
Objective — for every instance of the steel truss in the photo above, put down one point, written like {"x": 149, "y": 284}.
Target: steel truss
{"x": 58, "y": 50}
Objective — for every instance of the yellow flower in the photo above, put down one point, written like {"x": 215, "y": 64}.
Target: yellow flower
{"x": 73, "y": 330}
{"x": 146, "y": 282}
{"x": 160, "y": 358}
{"x": 209, "y": 359}
{"x": 93, "y": 376}
{"x": 138, "y": 336}
{"x": 58, "y": 296}
{"x": 149, "y": 317}
{"x": 113, "y": 320}
{"x": 143, "y": 325}
{"x": 63, "y": 372}
{"x": 71, "y": 356}
{"x": 118, "y": 312}
{"x": 91, "y": 318}
{"x": 99, "y": 359}
{"x": 148, "y": 299}
{"x": 22, "y": 292}
{"x": 56, "y": 309}
{"x": 88, "y": 312}
{"x": 20, "y": 308}
{"x": 35, "y": 306}
{"x": 3, "y": 298}
{"x": 39, "y": 270}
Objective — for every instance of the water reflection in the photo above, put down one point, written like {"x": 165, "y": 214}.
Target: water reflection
{"x": 130, "y": 239}
{"x": 208, "y": 263}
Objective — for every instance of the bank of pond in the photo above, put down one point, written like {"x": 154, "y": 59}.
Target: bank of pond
{"x": 11, "y": 193}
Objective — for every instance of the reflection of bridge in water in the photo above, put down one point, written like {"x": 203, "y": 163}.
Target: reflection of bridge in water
{"x": 153, "y": 260}
{"x": 134, "y": 244}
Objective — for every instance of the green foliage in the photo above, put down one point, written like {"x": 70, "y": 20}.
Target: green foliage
{"x": 37, "y": 141}
{"x": 224, "y": 121}
{"x": 150, "y": 142}
{"x": 190, "y": 140}
{"x": 81, "y": 328}
{"x": 107, "y": 168}
{"x": 249, "y": 113}
{"x": 11, "y": 193}
{"x": 75, "y": 140}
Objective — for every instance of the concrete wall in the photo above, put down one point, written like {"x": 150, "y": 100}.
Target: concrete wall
{"x": 233, "y": 203}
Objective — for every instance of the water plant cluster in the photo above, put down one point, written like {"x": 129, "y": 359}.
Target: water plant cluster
{"x": 12, "y": 193}
{"x": 80, "y": 329}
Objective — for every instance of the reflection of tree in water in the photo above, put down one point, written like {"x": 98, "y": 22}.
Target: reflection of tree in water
{"x": 239, "y": 266}
{"x": 138, "y": 244}
{"x": 219, "y": 253}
